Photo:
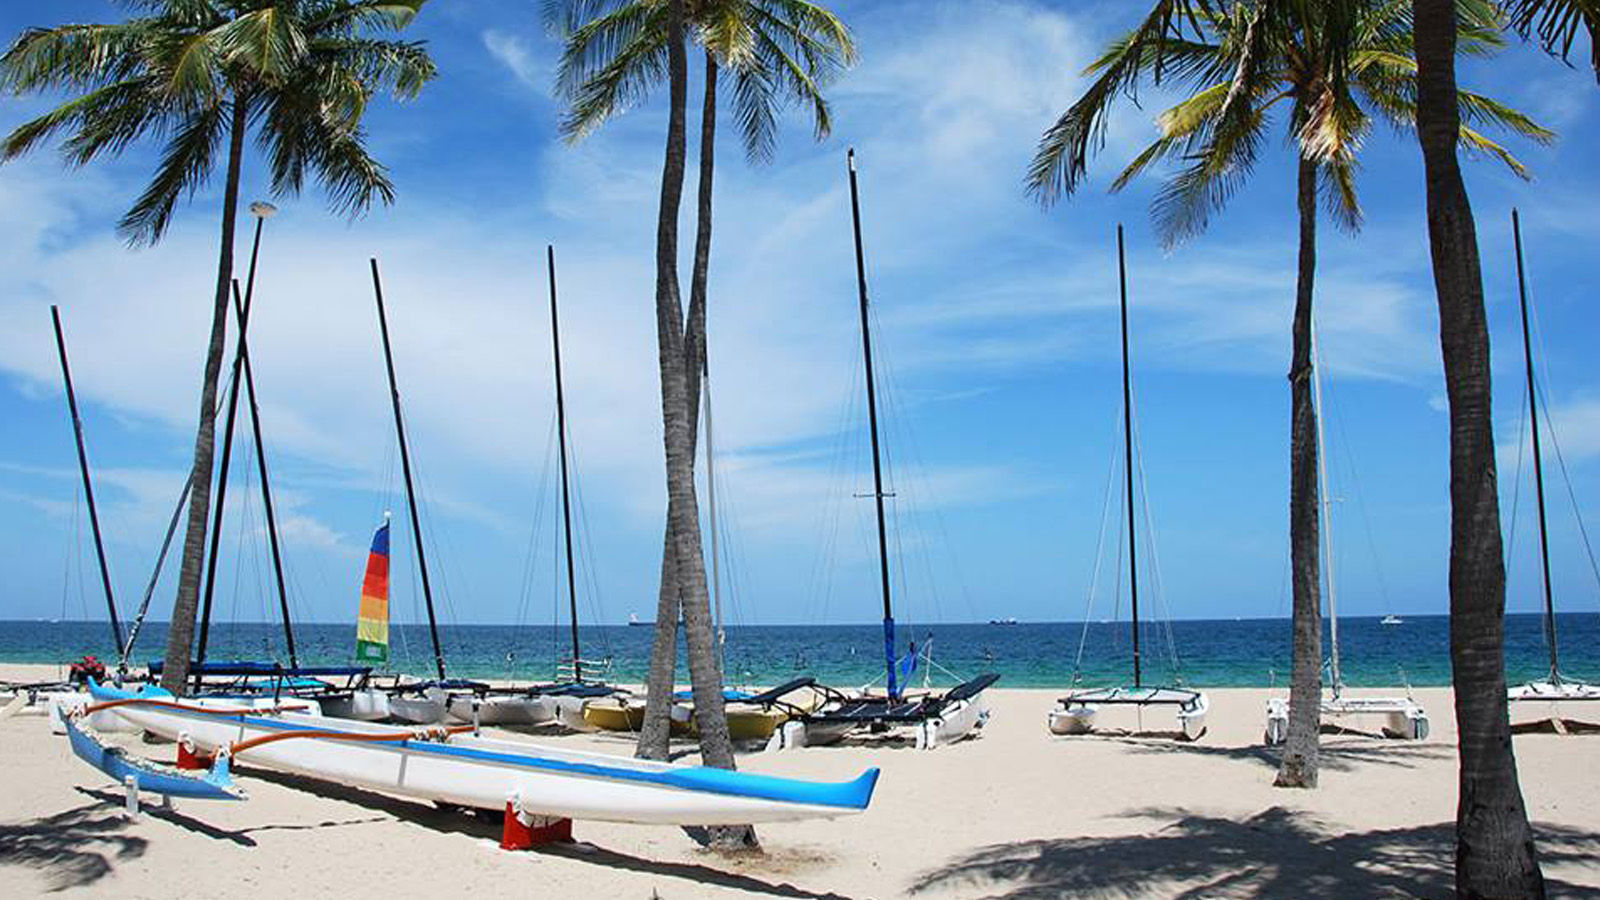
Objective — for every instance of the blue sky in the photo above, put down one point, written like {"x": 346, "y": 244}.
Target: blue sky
{"x": 996, "y": 327}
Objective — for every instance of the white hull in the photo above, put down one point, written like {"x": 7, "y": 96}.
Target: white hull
{"x": 369, "y": 705}
{"x": 488, "y": 774}
{"x": 958, "y": 721}
{"x": 1076, "y": 713}
{"x": 427, "y": 708}
{"x": 1077, "y": 720}
{"x": 569, "y": 713}
{"x": 1554, "y": 693}
{"x": 1400, "y": 718}
{"x": 501, "y": 709}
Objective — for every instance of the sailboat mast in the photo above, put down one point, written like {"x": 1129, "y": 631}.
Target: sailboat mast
{"x": 1127, "y": 441}
{"x": 711, "y": 503}
{"x": 83, "y": 469}
{"x": 405, "y": 469}
{"x": 566, "y": 497}
{"x": 222, "y": 492}
{"x": 1538, "y": 458}
{"x": 266, "y": 485}
{"x": 262, "y": 212}
{"x": 1327, "y": 520}
{"x": 872, "y": 418}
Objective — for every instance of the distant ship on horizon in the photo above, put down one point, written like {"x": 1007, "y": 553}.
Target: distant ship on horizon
{"x": 633, "y": 619}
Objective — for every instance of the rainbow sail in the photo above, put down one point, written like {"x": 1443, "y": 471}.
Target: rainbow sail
{"x": 372, "y": 621}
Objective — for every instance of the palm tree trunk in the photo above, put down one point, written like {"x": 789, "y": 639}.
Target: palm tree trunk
{"x": 683, "y": 512}
{"x": 1495, "y": 856}
{"x": 655, "y": 731}
{"x": 180, "y": 632}
{"x": 1299, "y": 765}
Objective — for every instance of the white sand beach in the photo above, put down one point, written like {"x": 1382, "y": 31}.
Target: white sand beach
{"x": 1014, "y": 813}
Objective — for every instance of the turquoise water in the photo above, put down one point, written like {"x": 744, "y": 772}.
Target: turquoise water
{"x": 1230, "y": 653}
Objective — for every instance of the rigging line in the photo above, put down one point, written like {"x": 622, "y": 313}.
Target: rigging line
{"x": 530, "y": 565}
{"x": 1094, "y": 577}
{"x": 1335, "y": 414}
{"x": 588, "y": 557}
{"x": 1550, "y": 427}
{"x": 1155, "y": 554}
{"x": 1516, "y": 483}
{"x": 1572, "y": 497}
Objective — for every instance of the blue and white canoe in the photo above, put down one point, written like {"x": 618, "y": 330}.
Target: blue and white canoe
{"x": 468, "y": 770}
{"x": 151, "y": 777}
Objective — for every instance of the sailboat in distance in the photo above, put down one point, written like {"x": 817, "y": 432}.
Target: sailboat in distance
{"x": 1075, "y": 713}
{"x": 1555, "y": 687}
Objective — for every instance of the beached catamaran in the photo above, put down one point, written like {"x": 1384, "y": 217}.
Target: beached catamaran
{"x": 1075, "y": 713}
{"x": 532, "y": 784}
{"x": 1556, "y": 687}
{"x": 562, "y": 701}
{"x": 1399, "y": 717}
{"x": 933, "y": 718}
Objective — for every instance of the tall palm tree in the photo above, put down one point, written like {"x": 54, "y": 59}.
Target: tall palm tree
{"x": 1495, "y": 855}
{"x": 200, "y": 74}
{"x": 776, "y": 53}
{"x": 1336, "y": 67}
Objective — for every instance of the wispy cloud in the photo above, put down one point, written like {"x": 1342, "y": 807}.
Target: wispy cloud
{"x": 514, "y": 52}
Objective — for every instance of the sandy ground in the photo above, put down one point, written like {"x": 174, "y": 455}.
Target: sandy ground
{"x": 1014, "y": 813}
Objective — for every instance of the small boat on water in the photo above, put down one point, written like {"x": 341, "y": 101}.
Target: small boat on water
{"x": 1392, "y": 619}
{"x": 457, "y": 766}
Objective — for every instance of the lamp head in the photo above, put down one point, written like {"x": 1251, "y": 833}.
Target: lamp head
{"x": 263, "y": 210}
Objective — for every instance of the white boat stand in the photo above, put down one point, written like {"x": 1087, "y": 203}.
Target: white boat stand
{"x": 522, "y": 831}
{"x": 130, "y": 787}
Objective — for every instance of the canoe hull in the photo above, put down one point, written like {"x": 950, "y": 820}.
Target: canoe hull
{"x": 486, "y": 773}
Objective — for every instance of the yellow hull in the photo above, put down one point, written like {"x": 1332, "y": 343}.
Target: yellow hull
{"x": 612, "y": 715}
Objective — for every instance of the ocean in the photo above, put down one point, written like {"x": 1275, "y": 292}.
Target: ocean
{"x": 1220, "y": 653}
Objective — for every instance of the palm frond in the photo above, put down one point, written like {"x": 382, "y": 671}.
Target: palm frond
{"x": 1475, "y": 142}
{"x": 1061, "y": 160}
{"x": 1338, "y": 193}
{"x": 185, "y": 165}
{"x": 1556, "y": 23}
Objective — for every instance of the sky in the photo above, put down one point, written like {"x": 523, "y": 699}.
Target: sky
{"x": 995, "y": 331}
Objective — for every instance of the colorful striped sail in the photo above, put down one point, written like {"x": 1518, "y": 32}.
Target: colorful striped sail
{"x": 372, "y": 621}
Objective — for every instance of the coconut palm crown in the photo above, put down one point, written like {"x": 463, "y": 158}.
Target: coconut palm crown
{"x": 301, "y": 72}
{"x": 778, "y": 52}
{"x": 1338, "y": 67}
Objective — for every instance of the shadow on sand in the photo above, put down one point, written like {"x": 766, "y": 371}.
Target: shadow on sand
{"x": 1334, "y": 756}
{"x": 1275, "y": 853}
{"x": 486, "y": 824}
{"x": 72, "y": 848}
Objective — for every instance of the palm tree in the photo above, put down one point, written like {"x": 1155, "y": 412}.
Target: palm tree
{"x": 199, "y": 74}
{"x": 1495, "y": 856}
{"x": 1336, "y": 66}
{"x": 776, "y": 52}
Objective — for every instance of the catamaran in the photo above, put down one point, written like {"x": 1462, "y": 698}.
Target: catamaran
{"x": 934, "y": 718}
{"x": 564, "y": 700}
{"x": 1076, "y": 712}
{"x": 1556, "y": 687}
{"x": 1400, "y": 717}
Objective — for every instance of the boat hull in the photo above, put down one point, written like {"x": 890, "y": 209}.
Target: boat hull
{"x": 502, "y": 709}
{"x": 485, "y": 773}
{"x": 367, "y": 705}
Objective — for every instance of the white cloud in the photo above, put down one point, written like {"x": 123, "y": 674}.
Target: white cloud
{"x": 513, "y": 52}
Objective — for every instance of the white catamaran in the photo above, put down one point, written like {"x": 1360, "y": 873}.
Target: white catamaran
{"x": 1399, "y": 717}
{"x": 1076, "y": 712}
{"x": 1556, "y": 687}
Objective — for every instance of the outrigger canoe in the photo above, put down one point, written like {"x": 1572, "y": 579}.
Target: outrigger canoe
{"x": 458, "y": 767}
